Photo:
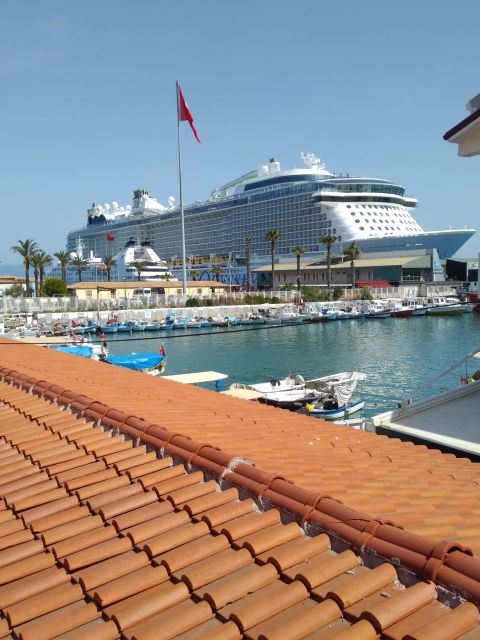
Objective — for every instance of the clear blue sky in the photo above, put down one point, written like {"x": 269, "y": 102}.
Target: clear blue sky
{"x": 88, "y": 109}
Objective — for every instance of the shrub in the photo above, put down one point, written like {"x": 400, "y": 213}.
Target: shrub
{"x": 314, "y": 294}
{"x": 366, "y": 294}
{"x": 192, "y": 302}
{"x": 15, "y": 291}
{"x": 337, "y": 293}
{"x": 54, "y": 287}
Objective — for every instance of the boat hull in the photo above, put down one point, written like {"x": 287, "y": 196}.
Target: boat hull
{"x": 340, "y": 412}
{"x": 438, "y": 311}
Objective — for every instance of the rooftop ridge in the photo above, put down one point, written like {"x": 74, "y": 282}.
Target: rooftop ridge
{"x": 447, "y": 563}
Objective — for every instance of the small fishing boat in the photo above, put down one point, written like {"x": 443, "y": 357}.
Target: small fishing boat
{"x": 152, "y": 325}
{"x": 290, "y": 315}
{"x": 311, "y": 396}
{"x": 329, "y": 410}
{"x": 125, "y": 327}
{"x": 153, "y": 362}
{"x": 138, "y": 326}
{"x": 336, "y": 400}
{"x": 180, "y": 323}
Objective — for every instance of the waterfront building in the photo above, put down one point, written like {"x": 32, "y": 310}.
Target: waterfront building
{"x": 90, "y": 291}
{"x": 394, "y": 269}
{"x": 303, "y": 204}
{"x": 467, "y": 132}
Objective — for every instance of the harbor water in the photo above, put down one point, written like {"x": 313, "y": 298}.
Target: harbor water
{"x": 398, "y": 355}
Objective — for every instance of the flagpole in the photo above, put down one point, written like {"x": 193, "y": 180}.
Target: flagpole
{"x": 182, "y": 214}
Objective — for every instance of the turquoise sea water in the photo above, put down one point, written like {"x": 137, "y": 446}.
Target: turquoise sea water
{"x": 398, "y": 355}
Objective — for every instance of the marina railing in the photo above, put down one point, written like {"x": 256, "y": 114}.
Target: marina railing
{"x": 32, "y": 306}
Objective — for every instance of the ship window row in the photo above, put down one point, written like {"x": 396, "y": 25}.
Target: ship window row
{"x": 319, "y": 198}
{"x": 373, "y": 187}
{"x": 376, "y": 206}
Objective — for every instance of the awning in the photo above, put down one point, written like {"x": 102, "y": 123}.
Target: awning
{"x": 195, "y": 378}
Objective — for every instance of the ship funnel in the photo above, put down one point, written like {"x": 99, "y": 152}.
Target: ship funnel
{"x": 274, "y": 166}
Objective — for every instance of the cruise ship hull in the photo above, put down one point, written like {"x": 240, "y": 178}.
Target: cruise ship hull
{"x": 447, "y": 243}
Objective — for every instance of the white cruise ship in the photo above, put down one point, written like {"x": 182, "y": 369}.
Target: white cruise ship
{"x": 134, "y": 254}
{"x": 303, "y": 204}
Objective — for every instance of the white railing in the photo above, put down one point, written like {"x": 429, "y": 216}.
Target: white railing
{"x": 9, "y": 305}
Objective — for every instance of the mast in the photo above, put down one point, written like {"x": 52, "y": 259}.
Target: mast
{"x": 182, "y": 213}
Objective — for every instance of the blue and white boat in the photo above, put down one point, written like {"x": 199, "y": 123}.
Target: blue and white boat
{"x": 125, "y": 327}
{"x": 152, "y": 362}
{"x": 320, "y": 410}
{"x": 111, "y": 327}
{"x": 335, "y": 396}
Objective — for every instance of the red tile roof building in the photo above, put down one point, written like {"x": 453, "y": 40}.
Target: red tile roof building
{"x": 118, "y": 520}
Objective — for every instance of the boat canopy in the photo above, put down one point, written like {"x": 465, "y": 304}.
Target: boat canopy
{"x": 137, "y": 361}
{"x": 85, "y": 352}
{"x": 341, "y": 385}
{"x": 195, "y": 378}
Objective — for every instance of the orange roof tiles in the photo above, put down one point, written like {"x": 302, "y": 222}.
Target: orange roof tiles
{"x": 101, "y": 538}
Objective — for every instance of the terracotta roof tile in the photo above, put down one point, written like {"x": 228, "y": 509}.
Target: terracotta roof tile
{"x": 189, "y": 556}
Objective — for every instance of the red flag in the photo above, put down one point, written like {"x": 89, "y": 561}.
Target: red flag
{"x": 109, "y": 236}
{"x": 184, "y": 112}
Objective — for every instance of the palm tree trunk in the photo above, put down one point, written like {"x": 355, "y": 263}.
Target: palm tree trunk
{"x": 108, "y": 275}
{"x": 298, "y": 272}
{"x": 273, "y": 263}
{"x": 352, "y": 265}
{"x": 35, "y": 273}
{"x": 64, "y": 272}
{"x": 329, "y": 268}
{"x": 247, "y": 260}
{"x": 42, "y": 278}
{"x": 27, "y": 280}
{"x": 79, "y": 275}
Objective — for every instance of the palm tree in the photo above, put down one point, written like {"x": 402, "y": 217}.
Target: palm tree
{"x": 35, "y": 261}
{"x": 328, "y": 242}
{"x": 109, "y": 263}
{"x": 194, "y": 274}
{"x": 44, "y": 261}
{"x": 352, "y": 252}
{"x": 273, "y": 236}
{"x": 139, "y": 266}
{"x": 248, "y": 252}
{"x": 298, "y": 250}
{"x": 80, "y": 264}
{"x": 217, "y": 272}
{"x": 63, "y": 258}
{"x": 26, "y": 249}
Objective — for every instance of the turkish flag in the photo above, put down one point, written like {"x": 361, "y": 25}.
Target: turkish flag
{"x": 184, "y": 112}
{"x": 109, "y": 236}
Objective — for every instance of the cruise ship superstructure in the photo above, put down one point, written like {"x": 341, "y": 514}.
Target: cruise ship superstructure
{"x": 135, "y": 261}
{"x": 303, "y": 204}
